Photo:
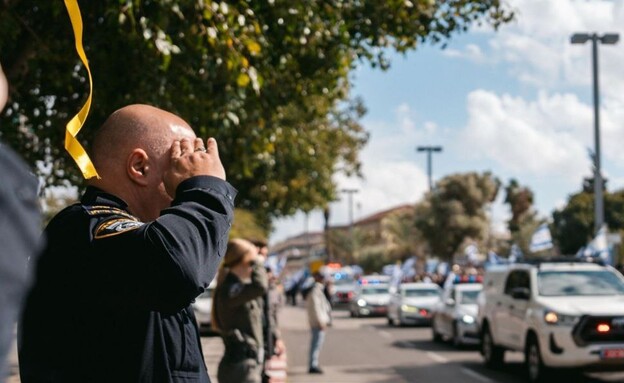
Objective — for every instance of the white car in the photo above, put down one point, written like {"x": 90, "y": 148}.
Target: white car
{"x": 561, "y": 315}
{"x": 455, "y": 316}
{"x": 343, "y": 290}
{"x": 412, "y": 303}
{"x": 203, "y": 307}
{"x": 370, "y": 300}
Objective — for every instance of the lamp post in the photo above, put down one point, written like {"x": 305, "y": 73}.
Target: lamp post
{"x": 350, "y": 193}
{"x": 429, "y": 150}
{"x": 609, "y": 39}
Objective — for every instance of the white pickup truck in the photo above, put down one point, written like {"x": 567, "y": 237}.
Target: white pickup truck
{"x": 560, "y": 314}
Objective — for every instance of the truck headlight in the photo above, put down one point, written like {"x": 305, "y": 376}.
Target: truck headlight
{"x": 468, "y": 319}
{"x": 361, "y": 302}
{"x": 556, "y": 319}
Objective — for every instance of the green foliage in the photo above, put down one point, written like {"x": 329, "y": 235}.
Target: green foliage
{"x": 269, "y": 79}
{"x": 573, "y": 225}
{"x": 401, "y": 236}
{"x": 523, "y": 221}
{"x": 373, "y": 262}
{"x": 455, "y": 210}
{"x": 246, "y": 225}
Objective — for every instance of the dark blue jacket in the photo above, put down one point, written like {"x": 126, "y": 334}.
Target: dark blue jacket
{"x": 111, "y": 302}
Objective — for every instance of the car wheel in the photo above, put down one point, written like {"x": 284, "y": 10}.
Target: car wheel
{"x": 536, "y": 371}
{"x": 492, "y": 354}
{"x": 437, "y": 337}
{"x": 456, "y": 339}
{"x": 390, "y": 321}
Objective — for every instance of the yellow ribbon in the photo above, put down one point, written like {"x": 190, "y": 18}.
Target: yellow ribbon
{"x": 72, "y": 145}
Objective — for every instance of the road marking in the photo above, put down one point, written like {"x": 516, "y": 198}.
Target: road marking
{"x": 385, "y": 334}
{"x": 436, "y": 357}
{"x": 475, "y": 375}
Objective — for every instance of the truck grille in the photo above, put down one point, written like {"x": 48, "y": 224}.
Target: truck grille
{"x": 599, "y": 329}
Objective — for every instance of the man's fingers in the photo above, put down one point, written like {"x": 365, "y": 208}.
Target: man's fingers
{"x": 175, "y": 149}
{"x": 212, "y": 147}
{"x": 199, "y": 145}
{"x": 186, "y": 145}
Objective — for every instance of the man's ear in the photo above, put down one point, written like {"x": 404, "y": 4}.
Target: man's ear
{"x": 138, "y": 167}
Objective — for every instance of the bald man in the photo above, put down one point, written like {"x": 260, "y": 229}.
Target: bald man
{"x": 114, "y": 286}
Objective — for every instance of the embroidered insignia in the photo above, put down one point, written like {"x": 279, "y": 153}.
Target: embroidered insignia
{"x": 116, "y": 227}
{"x": 107, "y": 210}
{"x": 236, "y": 289}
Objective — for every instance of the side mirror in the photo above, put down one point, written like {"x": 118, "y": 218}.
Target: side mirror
{"x": 521, "y": 293}
{"x": 450, "y": 302}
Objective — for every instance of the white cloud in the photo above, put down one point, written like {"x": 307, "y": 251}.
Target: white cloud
{"x": 540, "y": 137}
{"x": 389, "y": 178}
{"x": 471, "y": 52}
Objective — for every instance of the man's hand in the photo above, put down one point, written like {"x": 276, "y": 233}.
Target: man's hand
{"x": 190, "y": 159}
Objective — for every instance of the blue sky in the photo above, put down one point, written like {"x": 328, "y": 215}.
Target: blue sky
{"x": 516, "y": 102}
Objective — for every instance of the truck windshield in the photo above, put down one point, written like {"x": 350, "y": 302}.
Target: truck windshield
{"x": 570, "y": 283}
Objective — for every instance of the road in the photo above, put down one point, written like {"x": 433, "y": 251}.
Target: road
{"x": 367, "y": 350}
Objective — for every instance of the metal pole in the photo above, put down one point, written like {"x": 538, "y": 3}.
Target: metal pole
{"x": 598, "y": 192}
{"x": 429, "y": 170}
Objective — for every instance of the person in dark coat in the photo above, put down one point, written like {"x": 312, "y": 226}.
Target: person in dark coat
{"x": 238, "y": 314}
{"x": 113, "y": 290}
{"x": 20, "y": 233}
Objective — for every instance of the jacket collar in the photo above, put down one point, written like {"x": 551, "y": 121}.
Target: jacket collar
{"x": 95, "y": 196}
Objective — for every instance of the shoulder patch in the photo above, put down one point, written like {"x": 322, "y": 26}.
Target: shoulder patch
{"x": 236, "y": 289}
{"x": 107, "y": 210}
{"x": 116, "y": 226}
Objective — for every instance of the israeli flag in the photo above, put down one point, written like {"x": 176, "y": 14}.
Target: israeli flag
{"x": 472, "y": 253}
{"x": 515, "y": 254}
{"x": 494, "y": 259}
{"x": 599, "y": 247}
{"x": 541, "y": 239}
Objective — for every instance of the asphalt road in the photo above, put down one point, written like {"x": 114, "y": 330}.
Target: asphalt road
{"x": 368, "y": 350}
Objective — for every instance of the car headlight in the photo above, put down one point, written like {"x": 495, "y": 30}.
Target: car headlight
{"x": 409, "y": 309}
{"x": 556, "y": 319}
{"x": 361, "y": 302}
{"x": 468, "y": 319}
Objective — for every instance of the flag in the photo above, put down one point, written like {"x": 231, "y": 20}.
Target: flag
{"x": 515, "y": 254}
{"x": 599, "y": 247}
{"x": 472, "y": 253}
{"x": 494, "y": 259}
{"x": 541, "y": 239}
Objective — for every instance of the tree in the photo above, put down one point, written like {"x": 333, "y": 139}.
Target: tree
{"x": 269, "y": 79}
{"x": 402, "y": 238}
{"x": 245, "y": 225}
{"x": 523, "y": 221}
{"x": 573, "y": 225}
{"x": 455, "y": 210}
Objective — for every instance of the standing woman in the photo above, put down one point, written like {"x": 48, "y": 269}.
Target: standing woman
{"x": 237, "y": 315}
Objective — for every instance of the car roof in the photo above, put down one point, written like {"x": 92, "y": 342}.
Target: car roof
{"x": 468, "y": 287}
{"x": 570, "y": 266}
{"x": 419, "y": 286}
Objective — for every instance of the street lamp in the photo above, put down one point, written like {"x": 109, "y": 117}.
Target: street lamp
{"x": 429, "y": 150}
{"x": 350, "y": 193}
{"x": 609, "y": 39}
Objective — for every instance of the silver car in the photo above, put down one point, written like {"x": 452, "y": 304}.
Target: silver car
{"x": 370, "y": 300}
{"x": 412, "y": 303}
{"x": 455, "y": 317}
